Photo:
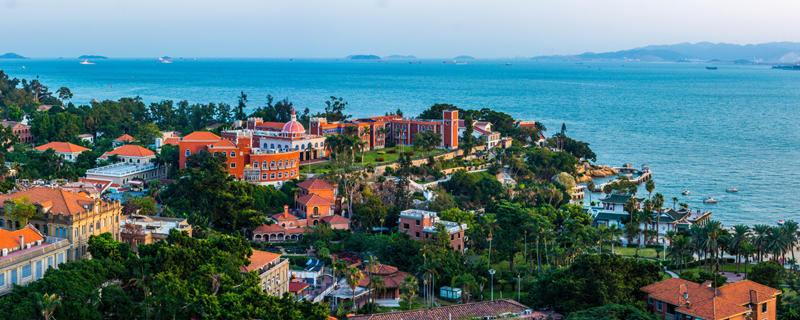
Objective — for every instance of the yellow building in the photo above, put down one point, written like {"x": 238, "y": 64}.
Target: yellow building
{"x": 273, "y": 271}
{"x": 67, "y": 215}
{"x": 25, "y": 255}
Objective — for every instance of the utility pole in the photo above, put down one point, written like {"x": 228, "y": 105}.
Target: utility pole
{"x": 519, "y": 282}
{"x": 491, "y": 273}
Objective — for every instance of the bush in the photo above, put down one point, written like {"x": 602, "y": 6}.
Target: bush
{"x": 381, "y": 152}
{"x": 379, "y": 159}
{"x": 391, "y": 150}
{"x": 409, "y": 152}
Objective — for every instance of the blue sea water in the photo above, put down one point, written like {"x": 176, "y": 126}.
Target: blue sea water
{"x": 697, "y": 129}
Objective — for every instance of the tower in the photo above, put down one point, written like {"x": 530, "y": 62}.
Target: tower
{"x": 450, "y": 129}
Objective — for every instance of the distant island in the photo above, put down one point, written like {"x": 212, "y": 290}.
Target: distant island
{"x": 399, "y": 57}
{"x": 363, "y": 57}
{"x": 773, "y": 52}
{"x": 89, "y": 56}
{"x": 11, "y": 55}
{"x": 464, "y": 58}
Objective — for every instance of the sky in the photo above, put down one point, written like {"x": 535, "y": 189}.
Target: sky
{"x": 424, "y": 28}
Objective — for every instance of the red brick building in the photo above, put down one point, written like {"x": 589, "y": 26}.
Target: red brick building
{"x": 421, "y": 225}
{"x": 680, "y": 299}
{"x": 22, "y": 131}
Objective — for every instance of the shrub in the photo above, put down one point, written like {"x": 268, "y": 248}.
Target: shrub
{"x": 381, "y": 152}
{"x": 409, "y": 152}
{"x": 379, "y": 159}
{"x": 391, "y": 150}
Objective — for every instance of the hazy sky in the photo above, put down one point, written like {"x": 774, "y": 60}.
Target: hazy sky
{"x": 425, "y": 28}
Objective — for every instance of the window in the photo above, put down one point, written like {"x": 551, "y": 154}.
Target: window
{"x": 233, "y": 165}
{"x": 417, "y": 234}
{"x": 316, "y": 210}
{"x": 233, "y": 154}
{"x": 405, "y": 225}
{"x": 97, "y": 225}
{"x": 659, "y": 306}
{"x": 255, "y": 164}
{"x": 264, "y": 163}
{"x": 272, "y": 146}
{"x": 14, "y": 276}
{"x": 39, "y": 269}
{"x": 452, "y": 237}
{"x": 280, "y": 175}
{"x": 60, "y": 258}
{"x": 188, "y": 153}
{"x": 272, "y": 163}
{"x": 2, "y": 279}
{"x": 26, "y": 271}
{"x": 49, "y": 262}
{"x": 263, "y": 176}
{"x": 417, "y": 222}
{"x": 272, "y": 175}
{"x": 280, "y": 163}
{"x": 764, "y": 308}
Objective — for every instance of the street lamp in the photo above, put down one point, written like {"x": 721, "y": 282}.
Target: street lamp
{"x": 491, "y": 273}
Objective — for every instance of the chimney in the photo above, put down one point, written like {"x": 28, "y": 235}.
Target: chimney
{"x": 286, "y": 211}
{"x": 21, "y": 242}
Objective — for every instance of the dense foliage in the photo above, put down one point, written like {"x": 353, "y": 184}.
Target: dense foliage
{"x": 182, "y": 278}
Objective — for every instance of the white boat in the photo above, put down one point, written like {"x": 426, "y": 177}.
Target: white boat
{"x": 86, "y": 61}
{"x": 686, "y": 192}
{"x": 781, "y": 222}
{"x": 165, "y": 59}
{"x": 710, "y": 200}
{"x": 732, "y": 190}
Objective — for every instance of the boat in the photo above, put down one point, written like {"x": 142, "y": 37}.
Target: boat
{"x": 686, "y": 192}
{"x": 711, "y": 68}
{"x": 86, "y": 61}
{"x": 781, "y": 222}
{"x": 508, "y": 64}
{"x": 165, "y": 60}
{"x": 710, "y": 200}
{"x": 732, "y": 190}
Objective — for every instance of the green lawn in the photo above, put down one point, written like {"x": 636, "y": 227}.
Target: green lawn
{"x": 643, "y": 252}
{"x": 371, "y": 157}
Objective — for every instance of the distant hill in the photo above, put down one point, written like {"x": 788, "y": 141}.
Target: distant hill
{"x": 364, "y": 57}
{"x": 11, "y": 55}
{"x": 773, "y": 52}
{"x": 399, "y": 57}
{"x": 89, "y": 56}
{"x": 464, "y": 58}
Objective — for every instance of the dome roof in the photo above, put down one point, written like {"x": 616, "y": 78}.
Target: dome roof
{"x": 293, "y": 126}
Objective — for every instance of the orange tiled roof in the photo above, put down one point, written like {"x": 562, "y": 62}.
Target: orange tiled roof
{"x": 63, "y": 147}
{"x": 268, "y": 228}
{"x": 260, "y": 259}
{"x": 171, "y": 141}
{"x": 125, "y": 138}
{"x": 224, "y": 143}
{"x": 10, "y": 239}
{"x": 130, "y": 150}
{"x": 297, "y": 286}
{"x": 314, "y": 184}
{"x": 335, "y": 219}
{"x": 709, "y": 303}
{"x": 462, "y": 311}
{"x": 201, "y": 136}
{"x": 59, "y": 201}
{"x": 314, "y": 200}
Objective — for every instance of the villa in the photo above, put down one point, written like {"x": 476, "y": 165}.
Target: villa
{"x": 678, "y": 299}
{"x": 26, "y": 254}
{"x": 66, "y": 150}
{"x": 421, "y": 224}
{"x": 272, "y": 270}
{"x": 136, "y": 165}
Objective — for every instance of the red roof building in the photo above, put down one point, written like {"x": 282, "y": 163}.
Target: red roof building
{"x": 683, "y": 300}
{"x": 273, "y": 271}
{"x": 66, "y": 150}
{"x": 496, "y": 309}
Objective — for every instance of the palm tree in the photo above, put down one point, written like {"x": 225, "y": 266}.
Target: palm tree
{"x": 409, "y": 287}
{"x": 760, "y": 232}
{"x": 674, "y": 202}
{"x": 650, "y": 185}
{"x": 747, "y": 249}
{"x": 614, "y": 232}
{"x": 354, "y": 276}
{"x": 713, "y": 231}
{"x": 791, "y": 228}
{"x": 48, "y": 305}
{"x": 740, "y": 236}
{"x": 658, "y": 206}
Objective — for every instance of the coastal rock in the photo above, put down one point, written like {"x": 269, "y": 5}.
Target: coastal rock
{"x": 598, "y": 171}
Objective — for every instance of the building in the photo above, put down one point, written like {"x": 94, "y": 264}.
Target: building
{"x": 376, "y": 131}
{"x": 496, "y": 309}
{"x": 272, "y": 137}
{"x": 140, "y": 229}
{"x": 123, "y": 139}
{"x": 66, "y": 150}
{"x": 63, "y": 214}
{"x": 300, "y": 290}
{"x": 679, "y": 299}
{"x": 273, "y": 271}
{"x": 391, "y": 278}
{"x": 88, "y": 137}
{"x": 246, "y": 163}
{"x": 26, "y": 254}
{"x": 135, "y": 166}
{"x": 314, "y": 204}
{"x": 421, "y": 224}
{"x": 22, "y": 131}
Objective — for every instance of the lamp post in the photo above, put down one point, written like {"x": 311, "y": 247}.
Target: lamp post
{"x": 491, "y": 273}
{"x": 519, "y": 283}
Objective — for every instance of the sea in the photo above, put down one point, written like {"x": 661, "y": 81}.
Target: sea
{"x": 697, "y": 129}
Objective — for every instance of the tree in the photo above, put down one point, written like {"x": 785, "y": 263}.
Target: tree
{"x": 650, "y": 185}
{"x": 612, "y": 311}
{"x": 354, "y": 276}
{"x": 103, "y": 246}
{"x": 240, "y": 115}
{"x": 768, "y": 273}
{"x": 334, "y": 109}
{"x": 21, "y": 209}
{"x": 48, "y": 305}
{"x": 427, "y": 140}
{"x": 467, "y": 140}
{"x": 64, "y": 94}
{"x": 409, "y": 288}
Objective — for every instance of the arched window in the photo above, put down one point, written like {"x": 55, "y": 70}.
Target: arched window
{"x": 280, "y": 163}
{"x": 188, "y": 153}
{"x": 272, "y": 146}
{"x": 255, "y": 164}
{"x": 316, "y": 144}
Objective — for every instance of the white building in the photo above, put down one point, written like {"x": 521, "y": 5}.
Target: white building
{"x": 66, "y": 150}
